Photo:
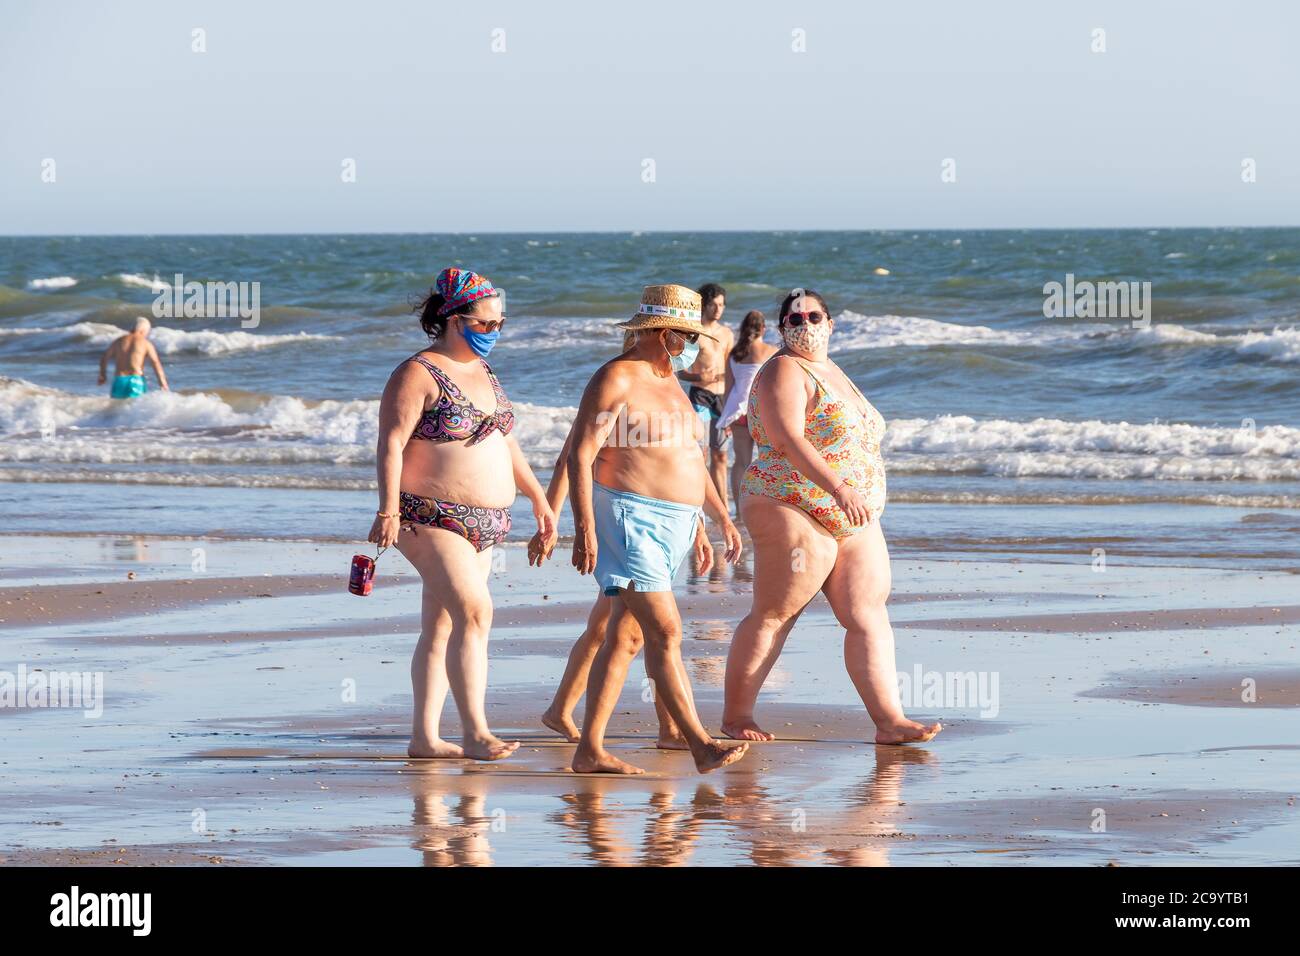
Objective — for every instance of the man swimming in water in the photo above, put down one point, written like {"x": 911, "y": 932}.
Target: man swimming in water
{"x": 129, "y": 352}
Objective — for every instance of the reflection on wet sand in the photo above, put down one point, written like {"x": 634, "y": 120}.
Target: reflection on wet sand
{"x": 667, "y": 822}
{"x": 603, "y": 823}
{"x": 451, "y": 822}
{"x": 874, "y": 808}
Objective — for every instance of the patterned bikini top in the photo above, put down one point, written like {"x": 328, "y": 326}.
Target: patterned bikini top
{"x": 455, "y": 418}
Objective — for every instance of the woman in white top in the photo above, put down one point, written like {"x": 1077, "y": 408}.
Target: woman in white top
{"x": 743, "y": 363}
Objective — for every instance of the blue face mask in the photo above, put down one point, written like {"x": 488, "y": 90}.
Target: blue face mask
{"x": 685, "y": 358}
{"x": 480, "y": 342}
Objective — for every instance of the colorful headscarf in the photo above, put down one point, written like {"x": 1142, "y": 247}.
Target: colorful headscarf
{"x": 460, "y": 287}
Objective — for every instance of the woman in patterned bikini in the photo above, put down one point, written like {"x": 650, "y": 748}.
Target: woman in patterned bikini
{"x": 449, "y": 470}
{"x": 813, "y": 496}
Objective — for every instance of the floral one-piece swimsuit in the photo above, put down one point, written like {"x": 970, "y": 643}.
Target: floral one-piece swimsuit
{"x": 847, "y": 439}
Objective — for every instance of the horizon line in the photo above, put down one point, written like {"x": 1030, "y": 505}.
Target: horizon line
{"x": 618, "y": 232}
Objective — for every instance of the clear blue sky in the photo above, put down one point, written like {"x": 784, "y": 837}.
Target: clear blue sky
{"x": 149, "y": 137}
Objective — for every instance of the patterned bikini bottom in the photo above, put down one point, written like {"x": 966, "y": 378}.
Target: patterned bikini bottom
{"x": 481, "y": 527}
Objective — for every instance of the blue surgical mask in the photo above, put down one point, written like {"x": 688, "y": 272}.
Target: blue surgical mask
{"x": 480, "y": 342}
{"x": 685, "y": 358}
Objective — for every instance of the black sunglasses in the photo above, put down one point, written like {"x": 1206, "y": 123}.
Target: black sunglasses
{"x": 796, "y": 319}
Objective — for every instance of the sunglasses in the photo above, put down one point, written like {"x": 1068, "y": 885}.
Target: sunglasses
{"x": 796, "y": 319}
{"x": 485, "y": 325}
{"x": 689, "y": 337}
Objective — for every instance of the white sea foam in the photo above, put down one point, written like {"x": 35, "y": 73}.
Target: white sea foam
{"x": 1164, "y": 332}
{"x": 174, "y": 341}
{"x": 1281, "y": 345}
{"x": 958, "y": 444}
{"x": 855, "y": 331}
{"x": 45, "y": 426}
{"x": 40, "y": 424}
{"x": 144, "y": 282}
{"x": 53, "y": 282}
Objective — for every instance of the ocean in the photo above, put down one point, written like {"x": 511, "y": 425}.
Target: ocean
{"x": 988, "y": 402}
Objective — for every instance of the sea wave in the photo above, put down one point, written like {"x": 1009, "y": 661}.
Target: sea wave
{"x": 171, "y": 341}
{"x": 53, "y": 282}
{"x": 1054, "y": 448}
{"x": 856, "y": 331}
{"x": 1280, "y": 344}
{"x": 143, "y": 282}
{"x": 47, "y": 426}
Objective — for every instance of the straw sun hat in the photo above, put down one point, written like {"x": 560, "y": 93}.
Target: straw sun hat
{"x": 667, "y": 307}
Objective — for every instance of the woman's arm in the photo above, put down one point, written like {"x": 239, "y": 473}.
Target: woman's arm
{"x": 716, "y": 510}
{"x": 527, "y": 483}
{"x": 399, "y": 410}
{"x": 558, "y": 489}
{"x": 525, "y": 480}
{"x": 541, "y": 546}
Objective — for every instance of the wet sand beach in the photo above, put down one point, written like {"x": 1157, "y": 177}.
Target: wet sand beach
{"x": 255, "y": 717}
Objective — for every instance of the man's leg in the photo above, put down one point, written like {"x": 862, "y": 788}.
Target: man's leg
{"x": 718, "y": 472}
{"x": 718, "y": 455}
{"x": 661, "y": 628}
{"x": 604, "y": 685}
{"x": 670, "y": 735}
{"x": 559, "y": 716}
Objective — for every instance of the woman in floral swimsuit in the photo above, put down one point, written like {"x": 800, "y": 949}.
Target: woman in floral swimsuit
{"x": 449, "y": 470}
{"x": 813, "y": 496}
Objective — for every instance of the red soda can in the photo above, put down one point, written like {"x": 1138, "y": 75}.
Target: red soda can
{"x": 362, "y": 580}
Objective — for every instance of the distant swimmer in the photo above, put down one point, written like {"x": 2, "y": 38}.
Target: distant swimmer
{"x": 129, "y": 352}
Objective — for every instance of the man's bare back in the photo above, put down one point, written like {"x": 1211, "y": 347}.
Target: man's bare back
{"x": 130, "y": 352}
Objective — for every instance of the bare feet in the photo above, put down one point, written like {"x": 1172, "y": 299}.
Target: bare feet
{"x": 436, "y": 749}
{"x": 562, "y": 724}
{"x": 746, "y": 729}
{"x": 670, "y": 741}
{"x": 713, "y": 756}
{"x": 907, "y": 732}
{"x": 585, "y": 761}
{"x": 489, "y": 748}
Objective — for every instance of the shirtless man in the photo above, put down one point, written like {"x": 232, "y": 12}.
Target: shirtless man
{"x": 706, "y": 379}
{"x": 637, "y": 481}
{"x": 129, "y": 353}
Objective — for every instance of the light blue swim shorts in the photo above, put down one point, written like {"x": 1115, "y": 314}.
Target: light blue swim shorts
{"x": 640, "y": 541}
{"x": 128, "y": 386}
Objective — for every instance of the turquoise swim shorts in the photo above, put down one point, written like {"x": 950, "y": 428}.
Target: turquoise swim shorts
{"x": 129, "y": 386}
{"x": 640, "y": 541}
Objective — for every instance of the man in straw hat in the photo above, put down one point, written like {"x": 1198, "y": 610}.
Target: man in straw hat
{"x": 637, "y": 480}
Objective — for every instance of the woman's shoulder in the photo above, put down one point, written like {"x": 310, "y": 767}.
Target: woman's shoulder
{"x": 413, "y": 363}
{"x": 782, "y": 370}
{"x": 420, "y": 371}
